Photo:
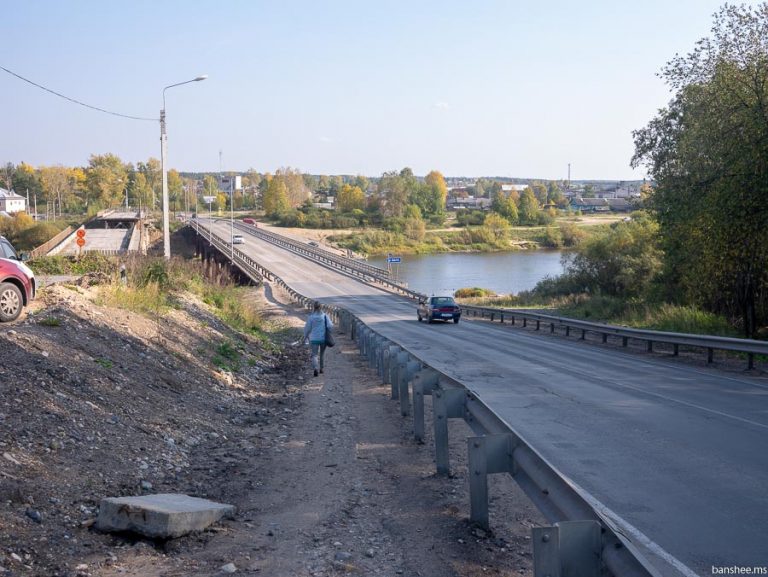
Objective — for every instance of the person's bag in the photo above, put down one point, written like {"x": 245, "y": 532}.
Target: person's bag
{"x": 329, "y": 340}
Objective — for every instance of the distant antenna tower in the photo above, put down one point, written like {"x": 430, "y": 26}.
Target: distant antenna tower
{"x": 568, "y": 186}
{"x": 220, "y": 169}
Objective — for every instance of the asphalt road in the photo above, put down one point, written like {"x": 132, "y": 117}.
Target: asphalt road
{"x": 676, "y": 453}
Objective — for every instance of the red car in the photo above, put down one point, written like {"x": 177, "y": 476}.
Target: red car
{"x": 17, "y": 282}
{"x": 250, "y": 221}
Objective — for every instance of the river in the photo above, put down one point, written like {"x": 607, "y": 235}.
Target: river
{"x": 501, "y": 272}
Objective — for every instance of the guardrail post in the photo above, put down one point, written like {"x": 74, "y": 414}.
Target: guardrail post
{"x": 567, "y": 330}
{"x": 538, "y": 324}
{"x": 675, "y": 349}
{"x": 567, "y": 548}
{"x": 447, "y": 404}
{"x": 378, "y": 345}
{"x": 710, "y": 355}
{"x": 406, "y": 375}
{"x": 551, "y": 327}
{"x": 487, "y": 455}
{"x": 605, "y": 338}
{"x": 424, "y": 382}
{"x": 492, "y": 315}
{"x": 381, "y": 359}
{"x": 750, "y": 361}
{"x": 649, "y": 347}
{"x": 624, "y": 341}
{"x": 390, "y": 353}
{"x": 401, "y": 358}
{"x": 525, "y": 322}
{"x": 583, "y": 334}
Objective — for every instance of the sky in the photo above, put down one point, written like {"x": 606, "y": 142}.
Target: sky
{"x": 482, "y": 88}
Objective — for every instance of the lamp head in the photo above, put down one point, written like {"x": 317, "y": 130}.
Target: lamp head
{"x": 201, "y": 77}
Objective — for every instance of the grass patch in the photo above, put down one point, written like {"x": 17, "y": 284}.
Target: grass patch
{"x": 50, "y": 322}
{"x": 611, "y": 310}
{"x": 106, "y": 363}
{"x": 227, "y": 357}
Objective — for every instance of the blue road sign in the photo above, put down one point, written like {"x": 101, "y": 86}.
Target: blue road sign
{"x": 393, "y": 259}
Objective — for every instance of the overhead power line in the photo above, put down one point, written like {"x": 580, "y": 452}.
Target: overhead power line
{"x": 76, "y": 101}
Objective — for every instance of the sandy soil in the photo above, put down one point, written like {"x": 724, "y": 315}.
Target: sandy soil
{"x": 324, "y": 472}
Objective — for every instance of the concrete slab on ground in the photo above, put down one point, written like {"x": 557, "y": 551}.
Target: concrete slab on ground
{"x": 161, "y": 516}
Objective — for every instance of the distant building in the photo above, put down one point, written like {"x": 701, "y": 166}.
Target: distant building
{"x": 601, "y": 204}
{"x": 513, "y": 187}
{"x": 11, "y": 203}
{"x": 470, "y": 202}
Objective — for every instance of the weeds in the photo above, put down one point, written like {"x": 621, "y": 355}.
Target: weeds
{"x": 227, "y": 357}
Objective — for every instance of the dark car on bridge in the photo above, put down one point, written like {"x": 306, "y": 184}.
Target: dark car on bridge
{"x": 438, "y": 309}
{"x": 17, "y": 283}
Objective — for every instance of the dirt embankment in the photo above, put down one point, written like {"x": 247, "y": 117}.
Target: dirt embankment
{"x": 98, "y": 402}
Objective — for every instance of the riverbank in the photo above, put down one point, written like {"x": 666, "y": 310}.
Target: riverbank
{"x": 564, "y": 232}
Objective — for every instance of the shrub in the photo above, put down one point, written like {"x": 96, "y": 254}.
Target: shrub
{"x": 473, "y": 292}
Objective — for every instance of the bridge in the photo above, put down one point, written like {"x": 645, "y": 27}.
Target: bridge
{"x": 667, "y": 458}
{"x": 110, "y": 232}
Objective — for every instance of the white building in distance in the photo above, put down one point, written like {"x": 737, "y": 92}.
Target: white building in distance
{"x": 11, "y": 203}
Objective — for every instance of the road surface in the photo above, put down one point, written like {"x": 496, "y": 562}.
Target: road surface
{"x": 676, "y": 453}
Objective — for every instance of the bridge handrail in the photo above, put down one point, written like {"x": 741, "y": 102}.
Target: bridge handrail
{"x": 749, "y": 346}
{"x": 308, "y": 249}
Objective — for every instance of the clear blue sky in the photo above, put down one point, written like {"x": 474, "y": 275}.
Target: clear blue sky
{"x": 485, "y": 88}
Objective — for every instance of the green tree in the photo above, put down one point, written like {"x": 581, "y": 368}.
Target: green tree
{"x": 540, "y": 192}
{"x": 26, "y": 180}
{"x": 393, "y": 189}
{"x": 529, "y": 207}
{"x": 498, "y": 226}
{"x": 623, "y": 262}
{"x": 105, "y": 178}
{"x": 57, "y": 186}
{"x": 361, "y": 182}
{"x": 140, "y": 193}
{"x": 153, "y": 174}
{"x": 175, "y": 190}
{"x": 707, "y": 153}
{"x": 505, "y": 206}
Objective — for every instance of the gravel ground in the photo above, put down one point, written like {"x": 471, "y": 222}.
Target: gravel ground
{"x": 99, "y": 402}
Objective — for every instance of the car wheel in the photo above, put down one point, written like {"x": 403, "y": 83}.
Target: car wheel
{"x": 456, "y": 320}
{"x": 11, "y": 302}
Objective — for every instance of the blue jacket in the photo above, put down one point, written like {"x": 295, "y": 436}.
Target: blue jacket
{"x": 315, "y": 327}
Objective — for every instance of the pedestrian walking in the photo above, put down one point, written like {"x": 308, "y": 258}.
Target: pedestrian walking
{"x": 315, "y": 330}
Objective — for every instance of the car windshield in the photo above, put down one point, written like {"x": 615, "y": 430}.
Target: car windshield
{"x": 442, "y": 301}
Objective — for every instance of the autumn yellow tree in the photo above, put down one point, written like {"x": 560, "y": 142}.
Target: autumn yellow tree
{"x": 275, "y": 198}
{"x": 350, "y": 198}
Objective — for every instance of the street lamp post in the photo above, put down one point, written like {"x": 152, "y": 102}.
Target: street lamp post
{"x": 163, "y": 154}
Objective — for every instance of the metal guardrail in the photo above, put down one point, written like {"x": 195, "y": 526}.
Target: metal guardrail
{"x": 584, "y": 535}
{"x": 707, "y": 342}
{"x": 306, "y": 249}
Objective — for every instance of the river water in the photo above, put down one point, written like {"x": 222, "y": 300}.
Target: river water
{"x": 501, "y": 272}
